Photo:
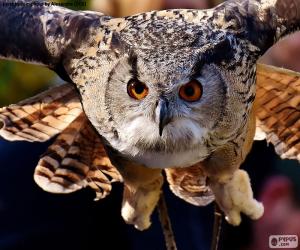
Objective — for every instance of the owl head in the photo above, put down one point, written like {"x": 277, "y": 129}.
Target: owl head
{"x": 168, "y": 99}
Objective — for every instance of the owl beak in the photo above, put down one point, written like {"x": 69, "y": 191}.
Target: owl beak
{"x": 163, "y": 114}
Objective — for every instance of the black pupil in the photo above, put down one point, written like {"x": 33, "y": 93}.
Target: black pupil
{"x": 139, "y": 88}
{"x": 189, "y": 90}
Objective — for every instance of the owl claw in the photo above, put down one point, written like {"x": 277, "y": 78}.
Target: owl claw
{"x": 131, "y": 215}
{"x": 234, "y": 217}
{"x": 235, "y": 197}
{"x": 142, "y": 225}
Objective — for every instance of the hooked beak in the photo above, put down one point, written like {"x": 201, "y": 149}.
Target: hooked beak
{"x": 163, "y": 114}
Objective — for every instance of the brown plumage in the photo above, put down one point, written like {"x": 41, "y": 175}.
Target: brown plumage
{"x": 41, "y": 117}
{"x": 278, "y": 109}
{"x": 190, "y": 184}
{"x": 75, "y": 160}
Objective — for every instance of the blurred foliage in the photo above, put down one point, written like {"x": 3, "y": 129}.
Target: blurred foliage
{"x": 75, "y": 4}
{"x": 19, "y": 81}
{"x": 119, "y": 8}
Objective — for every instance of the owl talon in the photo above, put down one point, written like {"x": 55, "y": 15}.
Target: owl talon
{"x": 235, "y": 196}
{"x": 143, "y": 225}
{"x": 234, "y": 217}
{"x": 132, "y": 216}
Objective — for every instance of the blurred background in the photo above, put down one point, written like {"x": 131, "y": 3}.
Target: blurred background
{"x": 33, "y": 219}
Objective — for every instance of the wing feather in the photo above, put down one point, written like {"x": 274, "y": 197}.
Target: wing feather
{"x": 190, "y": 185}
{"x": 278, "y": 109}
{"x": 75, "y": 160}
{"x": 41, "y": 117}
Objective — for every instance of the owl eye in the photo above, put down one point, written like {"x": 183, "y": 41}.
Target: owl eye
{"x": 191, "y": 92}
{"x": 137, "y": 90}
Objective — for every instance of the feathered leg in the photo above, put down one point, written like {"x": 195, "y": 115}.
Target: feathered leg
{"x": 142, "y": 187}
{"x": 235, "y": 196}
{"x": 230, "y": 185}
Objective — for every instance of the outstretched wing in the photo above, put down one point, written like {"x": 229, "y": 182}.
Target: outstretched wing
{"x": 41, "y": 117}
{"x": 278, "y": 109}
{"x": 190, "y": 185}
{"x": 36, "y": 32}
{"x": 75, "y": 160}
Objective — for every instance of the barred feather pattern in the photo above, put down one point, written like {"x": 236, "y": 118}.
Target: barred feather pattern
{"x": 190, "y": 185}
{"x": 75, "y": 160}
{"x": 278, "y": 109}
{"x": 41, "y": 117}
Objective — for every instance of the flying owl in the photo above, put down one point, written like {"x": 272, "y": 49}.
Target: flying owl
{"x": 173, "y": 90}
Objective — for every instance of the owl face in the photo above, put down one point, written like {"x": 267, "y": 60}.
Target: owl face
{"x": 164, "y": 110}
{"x": 165, "y": 104}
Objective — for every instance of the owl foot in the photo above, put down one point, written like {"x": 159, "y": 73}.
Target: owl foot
{"x": 139, "y": 203}
{"x": 235, "y": 197}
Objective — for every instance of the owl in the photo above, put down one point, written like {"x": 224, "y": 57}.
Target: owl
{"x": 178, "y": 91}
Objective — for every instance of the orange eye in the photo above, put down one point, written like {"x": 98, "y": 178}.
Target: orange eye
{"x": 191, "y": 92}
{"x": 137, "y": 90}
